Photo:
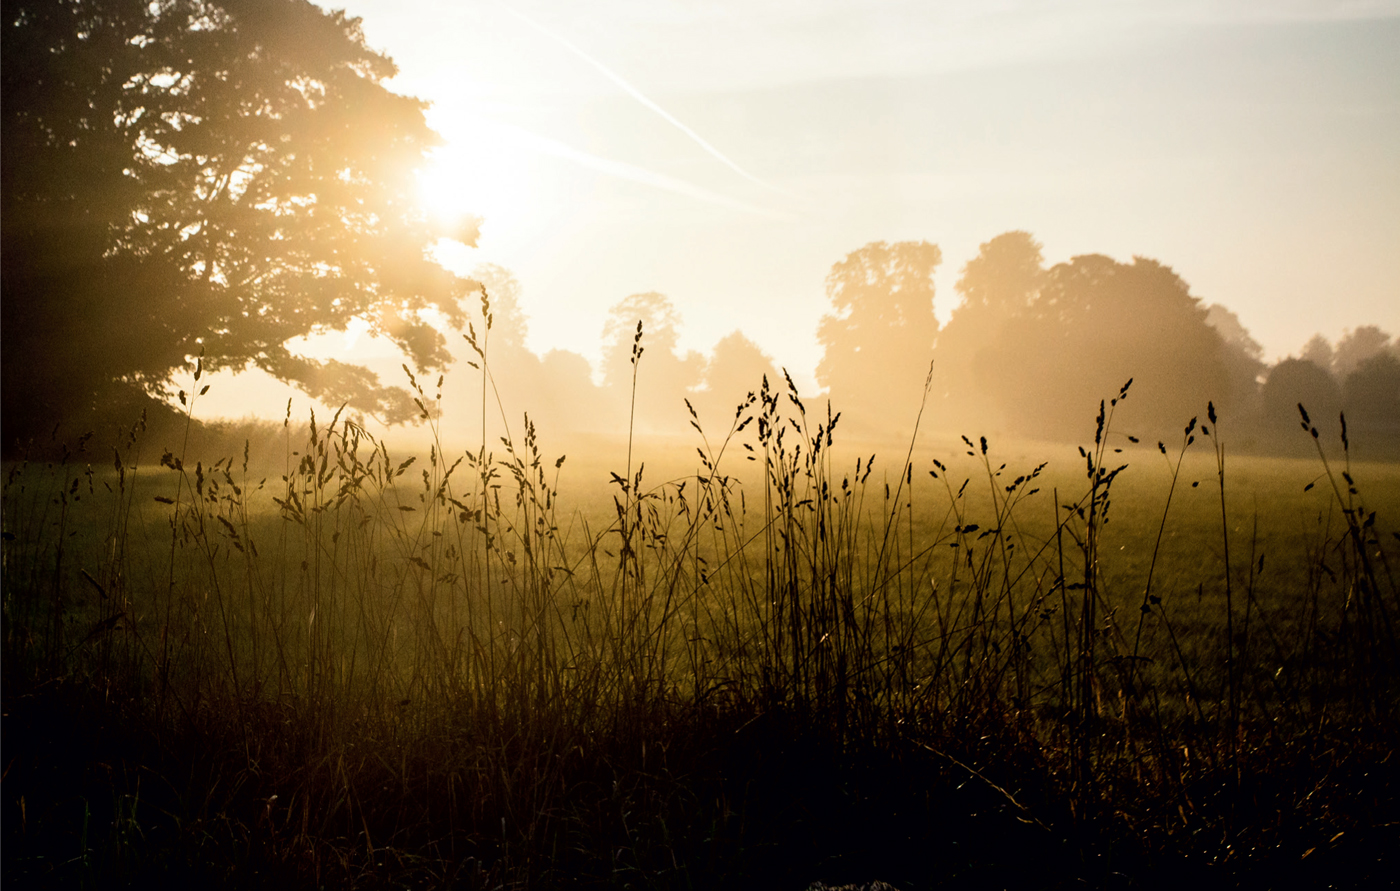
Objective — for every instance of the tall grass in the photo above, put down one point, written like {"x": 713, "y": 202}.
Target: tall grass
{"x": 794, "y": 664}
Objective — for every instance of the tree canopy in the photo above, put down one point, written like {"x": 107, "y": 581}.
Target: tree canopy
{"x": 664, "y": 377}
{"x": 1356, "y": 346}
{"x": 1094, "y": 324}
{"x": 1371, "y": 395}
{"x": 215, "y": 176}
{"x": 1005, "y": 275}
{"x": 1293, "y": 382}
{"x": 879, "y": 337}
{"x": 736, "y": 368}
{"x": 999, "y": 283}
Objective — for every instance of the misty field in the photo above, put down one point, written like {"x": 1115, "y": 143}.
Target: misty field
{"x": 765, "y": 659}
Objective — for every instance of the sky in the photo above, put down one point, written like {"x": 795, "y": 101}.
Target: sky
{"x": 728, "y": 153}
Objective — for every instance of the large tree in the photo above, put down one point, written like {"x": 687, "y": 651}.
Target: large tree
{"x": 664, "y": 377}
{"x": 215, "y": 176}
{"x": 1244, "y": 361}
{"x": 1371, "y": 395}
{"x": 1005, "y": 275}
{"x": 998, "y": 284}
{"x": 1293, "y": 382}
{"x": 1318, "y": 350}
{"x": 736, "y": 368}
{"x": 878, "y": 339}
{"x": 1356, "y": 346}
{"x": 1094, "y": 324}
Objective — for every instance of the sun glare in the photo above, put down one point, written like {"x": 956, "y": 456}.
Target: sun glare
{"x": 476, "y": 177}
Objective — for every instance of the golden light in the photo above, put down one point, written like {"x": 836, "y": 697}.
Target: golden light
{"x": 476, "y": 174}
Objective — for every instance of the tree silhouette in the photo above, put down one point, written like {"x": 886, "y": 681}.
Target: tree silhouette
{"x": 1005, "y": 275}
{"x": 1293, "y": 382}
{"x": 736, "y": 368}
{"x": 1231, "y": 330}
{"x": 1094, "y": 324}
{"x": 879, "y": 339}
{"x": 1243, "y": 357}
{"x": 996, "y": 285}
{"x": 1371, "y": 396}
{"x": 664, "y": 378}
{"x": 1319, "y": 352}
{"x": 1356, "y": 346}
{"x": 566, "y": 385}
{"x": 557, "y": 390}
{"x": 215, "y": 176}
{"x": 509, "y": 326}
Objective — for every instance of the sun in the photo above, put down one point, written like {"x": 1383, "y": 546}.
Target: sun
{"x": 473, "y": 175}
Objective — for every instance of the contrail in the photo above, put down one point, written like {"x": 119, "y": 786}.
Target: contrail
{"x": 640, "y": 97}
{"x": 545, "y": 146}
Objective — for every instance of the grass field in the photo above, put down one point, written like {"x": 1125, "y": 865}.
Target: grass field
{"x": 764, "y": 662}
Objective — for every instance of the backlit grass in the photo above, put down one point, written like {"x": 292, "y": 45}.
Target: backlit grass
{"x": 775, "y": 661}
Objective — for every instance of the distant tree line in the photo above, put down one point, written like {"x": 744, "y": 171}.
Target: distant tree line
{"x": 1030, "y": 351}
{"x": 656, "y": 394}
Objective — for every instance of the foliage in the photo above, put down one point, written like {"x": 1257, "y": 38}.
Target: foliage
{"x": 1356, "y": 346}
{"x": 878, "y": 339}
{"x": 1005, "y": 275}
{"x": 1095, "y": 321}
{"x": 1231, "y": 330}
{"x": 736, "y": 365}
{"x": 1295, "y": 381}
{"x": 1243, "y": 360}
{"x": 508, "y": 325}
{"x": 205, "y": 176}
{"x": 1318, "y": 350}
{"x": 669, "y": 376}
{"x": 996, "y": 285}
{"x": 1371, "y": 394}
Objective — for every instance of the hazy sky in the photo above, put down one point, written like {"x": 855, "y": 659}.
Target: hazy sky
{"x": 728, "y": 153}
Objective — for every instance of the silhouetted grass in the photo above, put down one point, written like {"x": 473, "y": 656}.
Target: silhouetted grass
{"x": 373, "y": 669}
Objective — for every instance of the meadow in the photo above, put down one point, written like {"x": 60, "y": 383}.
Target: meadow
{"x": 765, "y": 659}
